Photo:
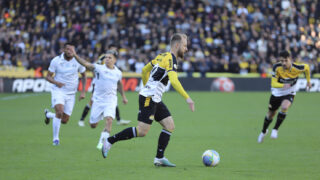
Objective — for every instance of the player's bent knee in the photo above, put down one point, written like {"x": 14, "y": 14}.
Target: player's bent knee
{"x": 170, "y": 128}
{"x": 64, "y": 121}
{"x": 93, "y": 125}
{"x": 59, "y": 114}
{"x": 142, "y": 133}
{"x": 284, "y": 109}
{"x": 142, "y": 129}
{"x": 109, "y": 119}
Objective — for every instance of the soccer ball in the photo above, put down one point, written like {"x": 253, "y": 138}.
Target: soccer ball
{"x": 210, "y": 158}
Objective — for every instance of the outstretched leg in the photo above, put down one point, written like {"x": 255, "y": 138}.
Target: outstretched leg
{"x": 164, "y": 138}
{"x": 140, "y": 131}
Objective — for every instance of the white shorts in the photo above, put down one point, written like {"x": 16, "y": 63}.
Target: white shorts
{"x": 67, "y": 100}
{"x": 102, "y": 110}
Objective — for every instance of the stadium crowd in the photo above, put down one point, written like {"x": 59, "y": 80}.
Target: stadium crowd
{"x": 237, "y": 36}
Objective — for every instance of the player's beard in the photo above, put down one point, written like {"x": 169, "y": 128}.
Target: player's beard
{"x": 180, "y": 54}
{"x": 67, "y": 56}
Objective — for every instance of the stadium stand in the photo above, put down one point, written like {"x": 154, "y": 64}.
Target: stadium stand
{"x": 235, "y": 36}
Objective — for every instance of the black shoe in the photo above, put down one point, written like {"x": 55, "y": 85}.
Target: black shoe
{"x": 46, "y": 120}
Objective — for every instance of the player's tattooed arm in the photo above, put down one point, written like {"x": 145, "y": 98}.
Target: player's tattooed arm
{"x": 82, "y": 61}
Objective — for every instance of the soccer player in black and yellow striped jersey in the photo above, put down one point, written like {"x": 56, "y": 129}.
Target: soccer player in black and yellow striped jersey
{"x": 155, "y": 76}
{"x": 283, "y": 89}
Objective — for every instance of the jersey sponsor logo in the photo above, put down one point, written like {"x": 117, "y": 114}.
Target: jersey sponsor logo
{"x": 291, "y": 81}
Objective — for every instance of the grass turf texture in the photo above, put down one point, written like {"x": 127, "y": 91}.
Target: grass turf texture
{"x": 226, "y": 122}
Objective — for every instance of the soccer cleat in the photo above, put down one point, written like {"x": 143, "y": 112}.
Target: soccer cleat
{"x": 81, "y": 123}
{"x": 100, "y": 145}
{"x": 164, "y": 162}
{"x": 46, "y": 120}
{"x": 274, "y": 134}
{"x": 123, "y": 122}
{"x": 261, "y": 136}
{"x": 105, "y": 148}
{"x": 56, "y": 142}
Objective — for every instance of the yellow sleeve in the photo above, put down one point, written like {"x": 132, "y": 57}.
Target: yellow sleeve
{"x": 173, "y": 77}
{"x": 146, "y": 72}
{"x": 275, "y": 83}
{"x": 307, "y": 72}
{"x": 274, "y": 79}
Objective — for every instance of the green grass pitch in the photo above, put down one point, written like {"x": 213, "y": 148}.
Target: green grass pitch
{"x": 226, "y": 122}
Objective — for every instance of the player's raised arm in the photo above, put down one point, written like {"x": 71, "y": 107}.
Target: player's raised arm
{"x": 83, "y": 62}
{"x": 173, "y": 77}
{"x": 84, "y": 81}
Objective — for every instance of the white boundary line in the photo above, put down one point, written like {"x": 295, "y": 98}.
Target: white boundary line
{"x": 19, "y": 96}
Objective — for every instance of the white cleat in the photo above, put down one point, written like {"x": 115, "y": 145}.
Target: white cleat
{"x": 105, "y": 148}
{"x": 81, "y": 123}
{"x": 261, "y": 136}
{"x": 100, "y": 145}
{"x": 274, "y": 134}
{"x": 163, "y": 162}
{"x": 123, "y": 122}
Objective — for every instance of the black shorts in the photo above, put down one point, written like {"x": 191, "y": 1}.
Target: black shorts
{"x": 150, "y": 110}
{"x": 275, "y": 102}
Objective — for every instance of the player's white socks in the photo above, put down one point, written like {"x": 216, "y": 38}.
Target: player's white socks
{"x": 50, "y": 115}
{"x": 104, "y": 135}
{"x": 56, "y": 122}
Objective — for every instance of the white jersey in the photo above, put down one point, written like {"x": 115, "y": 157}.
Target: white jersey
{"x": 106, "y": 83}
{"x": 66, "y": 72}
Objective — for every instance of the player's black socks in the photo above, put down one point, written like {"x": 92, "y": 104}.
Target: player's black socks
{"x": 163, "y": 142}
{"x": 123, "y": 135}
{"x": 85, "y": 112}
{"x": 266, "y": 124}
{"x": 117, "y": 114}
{"x": 280, "y": 118}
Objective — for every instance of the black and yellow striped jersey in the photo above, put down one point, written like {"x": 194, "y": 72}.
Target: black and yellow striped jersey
{"x": 282, "y": 76}
{"x": 157, "y": 73}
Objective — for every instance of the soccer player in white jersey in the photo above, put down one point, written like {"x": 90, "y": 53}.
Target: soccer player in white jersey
{"x": 63, "y": 74}
{"x": 155, "y": 76}
{"x": 88, "y": 106}
{"x": 107, "y": 81}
